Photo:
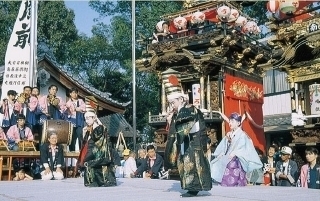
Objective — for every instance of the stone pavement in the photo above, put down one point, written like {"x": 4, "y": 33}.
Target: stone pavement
{"x": 143, "y": 190}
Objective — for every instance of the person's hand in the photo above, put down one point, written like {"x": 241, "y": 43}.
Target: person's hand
{"x": 272, "y": 170}
{"x": 283, "y": 176}
{"x": 17, "y": 141}
{"x": 59, "y": 170}
{"x": 147, "y": 175}
{"x": 47, "y": 171}
{"x": 169, "y": 117}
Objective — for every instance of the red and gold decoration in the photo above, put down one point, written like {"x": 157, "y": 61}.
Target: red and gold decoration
{"x": 242, "y": 90}
{"x": 246, "y": 97}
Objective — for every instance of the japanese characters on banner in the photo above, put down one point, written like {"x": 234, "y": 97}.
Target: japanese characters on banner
{"x": 17, "y": 58}
{"x": 314, "y": 90}
{"x": 196, "y": 95}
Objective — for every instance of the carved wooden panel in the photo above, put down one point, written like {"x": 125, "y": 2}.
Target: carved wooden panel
{"x": 160, "y": 137}
{"x": 305, "y": 136}
{"x": 214, "y": 95}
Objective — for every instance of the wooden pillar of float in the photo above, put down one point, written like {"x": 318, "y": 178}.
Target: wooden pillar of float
{"x": 202, "y": 97}
{"x": 163, "y": 99}
{"x": 208, "y": 94}
{"x": 293, "y": 96}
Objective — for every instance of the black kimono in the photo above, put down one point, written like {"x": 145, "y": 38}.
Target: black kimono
{"x": 46, "y": 156}
{"x": 98, "y": 162}
{"x": 185, "y": 149}
{"x": 156, "y": 168}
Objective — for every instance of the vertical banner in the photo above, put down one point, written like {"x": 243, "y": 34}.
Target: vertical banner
{"x": 196, "y": 95}
{"x": 314, "y": 91}
{"x": 17, "y": 59}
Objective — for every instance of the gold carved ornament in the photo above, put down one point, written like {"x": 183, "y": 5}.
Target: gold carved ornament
{"x": 241, "y": 89}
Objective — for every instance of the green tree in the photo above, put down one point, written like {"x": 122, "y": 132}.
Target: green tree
{"x": 147, "y": 15}
{"x": 8, "y": 14}
{"x": 56, "y": 28}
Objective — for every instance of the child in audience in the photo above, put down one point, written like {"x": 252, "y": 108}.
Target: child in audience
{"x": 22, "y": 176}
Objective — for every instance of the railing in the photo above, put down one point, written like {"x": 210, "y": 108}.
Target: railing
{"x": 162, "y": 118}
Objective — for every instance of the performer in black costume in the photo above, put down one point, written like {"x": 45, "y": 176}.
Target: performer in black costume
{"x": 187, "y": 139}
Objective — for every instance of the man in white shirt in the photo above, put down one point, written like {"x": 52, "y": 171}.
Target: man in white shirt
{"x": 130, "y": 165}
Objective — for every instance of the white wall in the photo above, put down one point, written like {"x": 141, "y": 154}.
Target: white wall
{"x": 277, "y": 104}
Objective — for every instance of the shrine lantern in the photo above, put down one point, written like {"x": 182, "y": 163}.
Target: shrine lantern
{"x": 241, "y": 21}
{"x": 180, "y": 23}
{"x": 273, "y": 6}
{"x": 288, "y": 6}
{"x": 234, "y": 14}
{"x": 224, "y": 13}
{"x": 197, "y": 17}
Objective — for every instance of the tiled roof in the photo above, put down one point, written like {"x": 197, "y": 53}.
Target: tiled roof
{"x": 116, "y": 123}
{"x": 76, "y": 79}
{"x": 277, "y": 119}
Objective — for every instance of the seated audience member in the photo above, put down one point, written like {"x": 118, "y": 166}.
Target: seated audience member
{"x": 154, "y": 162}
{"x": 51, "y": 159}
{"x": 310, "y": 174}
{"x": 18, "y": 132}
{"x": 269, "y": 166}
{"x": 140, "y": 161}
{"x": 130, "y": 165}
{"x": 22, "y": 176}
{"x": 286, "y": 169}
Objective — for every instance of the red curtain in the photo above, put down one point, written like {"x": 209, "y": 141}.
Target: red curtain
{"x": 242, "y": 95}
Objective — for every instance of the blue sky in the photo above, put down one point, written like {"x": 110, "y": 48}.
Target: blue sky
{"x": 84, "y": 15}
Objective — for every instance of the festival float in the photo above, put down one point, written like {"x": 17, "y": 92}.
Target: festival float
{"x": 211, "y": 44}
{"x": 296, "y": 51}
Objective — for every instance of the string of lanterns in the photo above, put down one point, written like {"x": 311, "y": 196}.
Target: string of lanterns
{"x": 225, "y": 14}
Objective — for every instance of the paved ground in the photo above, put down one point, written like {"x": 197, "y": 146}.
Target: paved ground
{"x": 143, "y": 190}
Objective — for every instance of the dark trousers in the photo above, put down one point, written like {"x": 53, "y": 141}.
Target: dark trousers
{"x": 77, "y": 134}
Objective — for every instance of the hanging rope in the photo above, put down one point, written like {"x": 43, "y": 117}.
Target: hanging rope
{"x": 252, "y": 121}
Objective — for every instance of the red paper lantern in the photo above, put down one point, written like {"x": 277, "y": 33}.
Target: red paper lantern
{"x": 273, "y": 6}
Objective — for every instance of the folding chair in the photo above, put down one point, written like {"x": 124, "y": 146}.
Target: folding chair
{"x": 26, "y": 145}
